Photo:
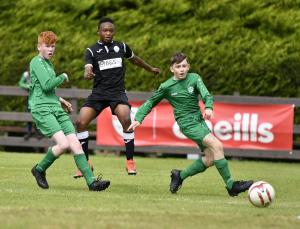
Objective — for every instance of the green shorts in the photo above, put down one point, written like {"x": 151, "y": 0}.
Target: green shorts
{"x": 50, "y": 120}
{"x": 194, "y": 127}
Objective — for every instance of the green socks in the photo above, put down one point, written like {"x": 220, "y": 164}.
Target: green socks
{"x": 198, "y": 167}
{"x": 47, "y": 161}
{"x": 84, "y": 167}
{"x": 80, "y": 161}
{"x": 222, "y": 166}
{"x": 195, "y": 168}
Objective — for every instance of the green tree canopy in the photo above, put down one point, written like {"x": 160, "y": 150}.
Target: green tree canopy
{"x": 235, "y": 45}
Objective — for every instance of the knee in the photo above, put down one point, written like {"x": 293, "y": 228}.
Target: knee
{"x": 209, "y": 160}
{"x": 64, "y": 145}
{"x": 218, "y": 151}
{"x": 75, "y": 146}
{"x": 125, "y": 122}
{"x": 217, "y": 146}
{"x": 81, "y": 124}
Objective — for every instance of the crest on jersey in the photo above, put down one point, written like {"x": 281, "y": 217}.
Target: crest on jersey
{"x": 116, "y": 49}
{"x": 191, "y": 89}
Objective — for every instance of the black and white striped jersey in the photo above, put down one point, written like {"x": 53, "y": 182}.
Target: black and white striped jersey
{"x": 109, "y": 68}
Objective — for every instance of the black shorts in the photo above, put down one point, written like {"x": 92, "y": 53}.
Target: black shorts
{"x": 100, "y": 104}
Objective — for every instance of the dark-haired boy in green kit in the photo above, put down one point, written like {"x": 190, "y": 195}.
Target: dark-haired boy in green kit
{"x": 182, "y": 91}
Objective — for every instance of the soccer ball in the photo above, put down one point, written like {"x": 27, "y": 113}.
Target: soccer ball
{"x": 261, "y": 194}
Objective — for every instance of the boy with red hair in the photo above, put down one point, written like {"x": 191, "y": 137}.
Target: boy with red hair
{"x": 50, "y": 117}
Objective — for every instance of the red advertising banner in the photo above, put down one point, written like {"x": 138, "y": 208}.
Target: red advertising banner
{"x": 243, "y": 126}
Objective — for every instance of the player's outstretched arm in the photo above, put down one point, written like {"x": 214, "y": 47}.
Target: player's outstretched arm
{"x": 141, "y": 63}
{"x": 133, "y": 125}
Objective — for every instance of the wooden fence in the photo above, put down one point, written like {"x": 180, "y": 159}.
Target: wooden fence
{"x": 75, "y": 94}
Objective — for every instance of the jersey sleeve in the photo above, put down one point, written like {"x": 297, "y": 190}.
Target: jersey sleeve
{"x": 206, "y": 97}
{"x": 147, "y": 106}
{"x": 88, "y": 56}
{"x": 128, "y": 52}
{"x": 46, "y": 81}
{"x": 22, "y": 82}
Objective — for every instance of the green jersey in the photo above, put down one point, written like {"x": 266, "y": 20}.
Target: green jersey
{"x": 183, "y": 95}
{"x": 43, "y": 84}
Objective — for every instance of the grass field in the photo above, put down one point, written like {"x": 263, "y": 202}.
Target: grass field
{"x": 142, "y": 201}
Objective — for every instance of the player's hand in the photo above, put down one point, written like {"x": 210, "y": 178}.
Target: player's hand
{"x": 155, "y": 71}
{"x": 67, "y": 77}
{"x": 133, "y": 125}
{"x": 208, "y": 114}
{"x": 67, "y": 106}
{"x": 88, "y": 73}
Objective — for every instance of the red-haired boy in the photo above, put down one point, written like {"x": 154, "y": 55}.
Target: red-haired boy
{"x": 50, "y": 117}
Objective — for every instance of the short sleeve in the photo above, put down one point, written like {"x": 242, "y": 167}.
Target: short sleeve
{"x": 128, "y": 52}
{"x": 89, "y": 56}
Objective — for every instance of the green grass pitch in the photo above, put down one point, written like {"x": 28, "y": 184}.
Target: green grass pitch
{"x": 142, "y": 201}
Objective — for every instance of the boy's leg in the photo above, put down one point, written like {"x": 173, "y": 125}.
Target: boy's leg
{"x": 215, "y": 146}
{"x": 83, "y": 138}
{"x": 178, "y": 176}
{"x": 47, "y": 123}
{"x": 86, "y": 115}
{"x": 82, "y": 164}
{"x": 93, "y": 183}
{"x": 122, "y": 111}
{"x": 39, "y": 170}
{"x": 223, "y": 169}
{"x": 28, "y": 127}
{"x": 233, "y": 187}
{"x": 194, "y": 130}
{"x": 129, "y": 151}
{"x": 47, "y": 161}
{"x": 28, "y": 130}
{"x": 196, "y": 167}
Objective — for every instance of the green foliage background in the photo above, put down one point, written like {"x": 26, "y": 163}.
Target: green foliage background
{"x": 236, "y": 45}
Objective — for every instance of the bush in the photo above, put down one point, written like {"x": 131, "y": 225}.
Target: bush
{"x": 247, "y": 46}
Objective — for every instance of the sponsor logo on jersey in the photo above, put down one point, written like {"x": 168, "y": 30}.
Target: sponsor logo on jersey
{"x": 110, "y": 63}
{"x": 174, "y": 94}
{"x": 116, "y": 49}
{"x": 99, "y": 50}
